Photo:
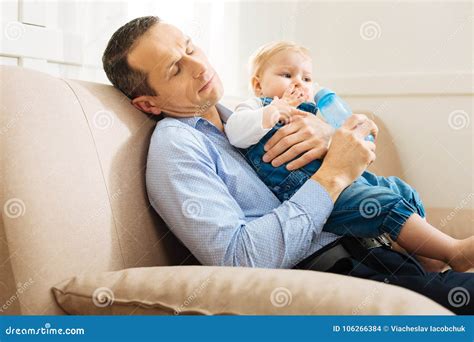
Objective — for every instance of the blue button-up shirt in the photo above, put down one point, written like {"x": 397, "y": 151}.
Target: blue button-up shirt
{"x": 213, "y": 201}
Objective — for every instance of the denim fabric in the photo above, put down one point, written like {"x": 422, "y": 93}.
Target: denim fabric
{"x": 373, "y": 205}
{"x": 400, "y": 269}
{"x": 370, "y": 206}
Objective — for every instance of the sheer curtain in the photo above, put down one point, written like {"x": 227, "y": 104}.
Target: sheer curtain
{"x": 228, "y": 31}
{"x": 213, "y": 25}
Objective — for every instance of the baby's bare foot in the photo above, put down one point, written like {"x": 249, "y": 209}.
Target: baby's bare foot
{"x": 463, "y": 259}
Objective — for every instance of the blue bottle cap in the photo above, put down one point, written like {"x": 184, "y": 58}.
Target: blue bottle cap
{"x": 320, "y": 94}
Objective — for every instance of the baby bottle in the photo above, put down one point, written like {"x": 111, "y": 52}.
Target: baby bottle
{"x": 332, "y": 108}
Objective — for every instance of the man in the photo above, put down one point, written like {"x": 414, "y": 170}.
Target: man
{"x": 213, "y": 201}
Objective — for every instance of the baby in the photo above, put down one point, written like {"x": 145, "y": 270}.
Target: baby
{"x": 370, "y": 206}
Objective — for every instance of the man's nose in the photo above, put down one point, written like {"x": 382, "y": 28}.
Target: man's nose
{"x": 199, "y": 68}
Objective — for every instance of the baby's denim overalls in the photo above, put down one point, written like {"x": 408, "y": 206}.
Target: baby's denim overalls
{"x": 370, "y": 206}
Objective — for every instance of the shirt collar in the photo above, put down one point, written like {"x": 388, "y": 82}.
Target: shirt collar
{"x": 223, "y": 111}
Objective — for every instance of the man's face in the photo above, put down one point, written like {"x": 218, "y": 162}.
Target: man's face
{"x": 177, "y": 70}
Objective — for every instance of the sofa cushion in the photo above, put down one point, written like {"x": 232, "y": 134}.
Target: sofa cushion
{"x": 207, "y": 290}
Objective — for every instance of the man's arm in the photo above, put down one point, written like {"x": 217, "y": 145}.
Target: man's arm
{"x": 186, "y": 191}
{"x": 344, "y": 161}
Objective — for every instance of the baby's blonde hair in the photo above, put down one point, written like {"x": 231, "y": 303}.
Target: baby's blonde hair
{"x": 259, "y": 58}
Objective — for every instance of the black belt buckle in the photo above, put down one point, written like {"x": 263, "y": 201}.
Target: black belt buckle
{"x": 384, "y": 240}
{"x": 369, "y": 243}
{"x": 378, "y": 241}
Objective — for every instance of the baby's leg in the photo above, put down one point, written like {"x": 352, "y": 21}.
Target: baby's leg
{"x": 364, "y": 210}
{"x": 419, "y": 237}
{"x": 398, "y": 186}
{"x": 457, "y": 260}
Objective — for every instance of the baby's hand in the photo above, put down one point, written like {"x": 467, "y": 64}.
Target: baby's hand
{"x": 294, "y": 96}
{"x": 280, "y": 111}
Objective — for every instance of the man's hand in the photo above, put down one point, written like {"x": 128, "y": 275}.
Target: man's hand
{"x": 306, "y": 135}
{"x": 348, "y": 156}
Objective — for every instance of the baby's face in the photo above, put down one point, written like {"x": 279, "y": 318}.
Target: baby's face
{"x": 284, "y": 69}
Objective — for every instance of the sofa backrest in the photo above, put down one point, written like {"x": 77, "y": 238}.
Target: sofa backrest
{"x": 73, "y": 196}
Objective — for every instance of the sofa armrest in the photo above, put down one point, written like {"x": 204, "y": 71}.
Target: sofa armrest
{"x": 208, "y": 290}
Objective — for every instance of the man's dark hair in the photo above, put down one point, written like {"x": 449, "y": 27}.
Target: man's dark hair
{"x": 130, "y": 81}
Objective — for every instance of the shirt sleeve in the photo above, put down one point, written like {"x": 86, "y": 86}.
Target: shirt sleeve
{"x": 186, "y": 191}
{"x": 244, "y": 126}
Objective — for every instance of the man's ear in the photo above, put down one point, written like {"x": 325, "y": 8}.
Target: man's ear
{"x": 256, "y": 86}
{"x": 146, "y": 104}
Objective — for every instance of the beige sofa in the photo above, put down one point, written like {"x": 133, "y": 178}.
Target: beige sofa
{"x": 74, "y": 203}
